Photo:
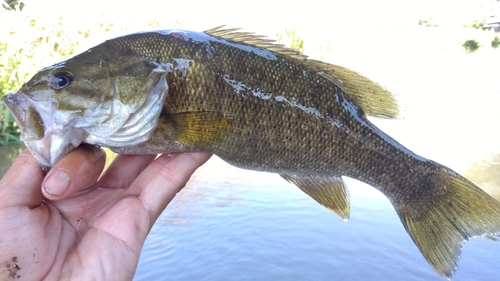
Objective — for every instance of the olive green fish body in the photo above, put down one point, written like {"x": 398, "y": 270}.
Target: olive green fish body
{"x": 281, "y": 114}
{"x": 272, "y": 104}
{"x": 258, "y": 106}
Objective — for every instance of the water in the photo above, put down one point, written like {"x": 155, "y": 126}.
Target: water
{"x": 231, "y": 224}
{"x": 7, "y": 154}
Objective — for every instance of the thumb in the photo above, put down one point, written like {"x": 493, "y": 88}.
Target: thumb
{"x": 77, "y": 171}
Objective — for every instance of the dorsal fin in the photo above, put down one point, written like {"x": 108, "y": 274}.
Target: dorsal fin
{"x": 374, "y": 99}
{"x": 232, "y": 34}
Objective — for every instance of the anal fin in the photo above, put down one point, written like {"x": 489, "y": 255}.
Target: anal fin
{"x": 331, "y": 192}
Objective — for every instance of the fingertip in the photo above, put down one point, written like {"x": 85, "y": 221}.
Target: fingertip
{"x": 193, "y": 160}
{"x": 56, "y": 185}
{"x": 201, "y": 156}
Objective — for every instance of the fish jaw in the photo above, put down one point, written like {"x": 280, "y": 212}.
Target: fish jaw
{"x": 45, "y": 136}
{"x": 50, "y": 149}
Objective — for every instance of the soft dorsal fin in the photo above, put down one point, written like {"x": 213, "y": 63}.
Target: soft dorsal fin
{"x": 374, "y": 99}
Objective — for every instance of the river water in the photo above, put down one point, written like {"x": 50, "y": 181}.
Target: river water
{"x": 232, "y": 224}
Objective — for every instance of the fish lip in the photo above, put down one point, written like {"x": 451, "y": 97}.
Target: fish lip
{"x": 16, "y": 105}
{"x": 26, "y": 116}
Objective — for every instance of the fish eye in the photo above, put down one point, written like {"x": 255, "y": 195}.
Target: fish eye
{"x": 61, "y": 80}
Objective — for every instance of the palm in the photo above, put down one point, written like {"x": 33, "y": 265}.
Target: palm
{"x": 99, "y": 234}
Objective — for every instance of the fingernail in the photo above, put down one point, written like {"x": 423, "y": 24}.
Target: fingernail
{"x": 57, "y": 184}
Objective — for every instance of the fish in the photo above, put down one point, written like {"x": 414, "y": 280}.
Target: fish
{"x": 257, "y": 105}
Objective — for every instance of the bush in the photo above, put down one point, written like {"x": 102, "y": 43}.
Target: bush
{"x": 476, "y": 24}
{"x": 9, "y": 81}
{"x": 12, "y": 5}
{"x": 9, "y": 131}
{"x": 471, "y": 45}
{"x": 496, "y": 42}
{"x": 9, "y": 76}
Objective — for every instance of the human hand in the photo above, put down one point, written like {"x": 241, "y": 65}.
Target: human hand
{"x": 86, "y": 229}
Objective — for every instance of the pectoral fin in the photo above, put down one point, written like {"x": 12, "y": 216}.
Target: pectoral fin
{"x": 330, "y": 192}
{"x": 195, "y": 128}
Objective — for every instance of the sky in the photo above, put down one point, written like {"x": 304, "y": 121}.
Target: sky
{"x": 380, "y": 39}
{"x": 267, "y": 13}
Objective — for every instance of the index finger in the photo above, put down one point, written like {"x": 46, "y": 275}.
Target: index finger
{"x": 21, "y": 183}
{"x": 157, "y": 185}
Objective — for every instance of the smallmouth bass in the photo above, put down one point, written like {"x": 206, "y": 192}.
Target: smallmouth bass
{"x": 257, "y": 105}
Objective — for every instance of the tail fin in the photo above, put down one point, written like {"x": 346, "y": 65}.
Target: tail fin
{"x": 456, "y": 211}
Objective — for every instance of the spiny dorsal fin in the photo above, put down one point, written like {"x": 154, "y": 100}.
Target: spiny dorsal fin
{"x": 374, "y": 99}
{"x": 232, "y": 34}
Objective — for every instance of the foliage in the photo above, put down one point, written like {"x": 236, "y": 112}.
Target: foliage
{"x": 428, "y": 22}
{"x": 292, "y": 40}
{"x": 13, "y": 5}
{"x": 9, "y": 131}
{"x": 496, "y": 42}
{"x": 471, "y": 45}
{"x": 476, "y": 24}
{"x": 9, "y": 74}
{"x": 296, "y": 43}
{"x": 9, "y": 81}
{"x": 20, "y": 58}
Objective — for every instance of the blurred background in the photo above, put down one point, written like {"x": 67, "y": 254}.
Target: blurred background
{"x": 441, "y": 58}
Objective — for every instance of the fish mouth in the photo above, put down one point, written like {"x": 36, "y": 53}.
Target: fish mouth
{"x": 26, "y": 116}
{"x": 38, "y": 132}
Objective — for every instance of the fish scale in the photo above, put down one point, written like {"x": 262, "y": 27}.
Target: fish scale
{"x": 257, "y": 105}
